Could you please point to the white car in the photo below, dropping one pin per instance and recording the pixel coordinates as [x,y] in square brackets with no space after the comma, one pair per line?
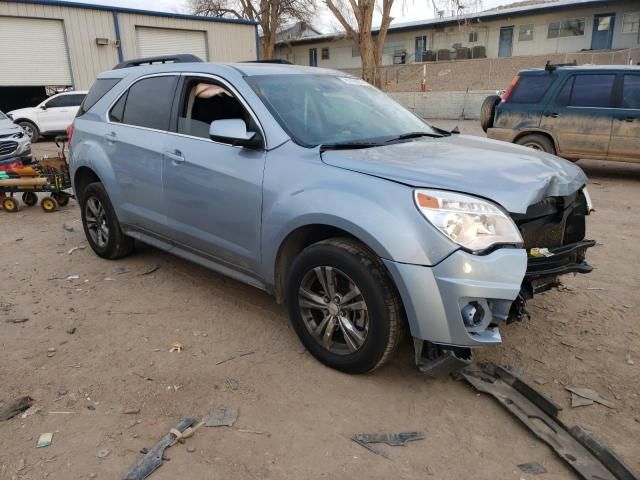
[52,116]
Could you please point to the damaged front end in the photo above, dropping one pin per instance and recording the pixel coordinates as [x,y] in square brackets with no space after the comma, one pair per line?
[553,231]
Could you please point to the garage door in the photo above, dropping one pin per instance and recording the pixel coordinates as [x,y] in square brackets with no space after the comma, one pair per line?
[152,42]
[33,52]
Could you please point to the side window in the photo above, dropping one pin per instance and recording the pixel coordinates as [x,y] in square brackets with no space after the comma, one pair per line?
[531,88]
[147,103]
[66,101]
[592,91]
[205,101]
[100,88]
[562,99]
[75,100]
[631,91]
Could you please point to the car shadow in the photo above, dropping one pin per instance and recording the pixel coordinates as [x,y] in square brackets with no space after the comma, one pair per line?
[613,170]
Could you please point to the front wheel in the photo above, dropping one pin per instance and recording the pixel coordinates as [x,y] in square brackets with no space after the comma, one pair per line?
[31,130]
[343,305]
[100,223]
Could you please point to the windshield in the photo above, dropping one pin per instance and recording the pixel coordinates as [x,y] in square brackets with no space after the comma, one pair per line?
[2,116]
[327,109]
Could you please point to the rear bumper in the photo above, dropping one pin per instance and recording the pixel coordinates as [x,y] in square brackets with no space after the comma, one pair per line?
[434,297]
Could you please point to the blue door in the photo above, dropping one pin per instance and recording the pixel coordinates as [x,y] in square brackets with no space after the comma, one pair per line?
[421,47]
[313,57]
[506,42]
[602,36]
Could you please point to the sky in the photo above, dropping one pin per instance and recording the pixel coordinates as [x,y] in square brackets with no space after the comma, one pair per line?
[406,11]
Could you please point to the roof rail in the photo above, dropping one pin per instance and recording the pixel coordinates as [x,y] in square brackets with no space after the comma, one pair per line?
[279,61]
[180,58]
[550,67]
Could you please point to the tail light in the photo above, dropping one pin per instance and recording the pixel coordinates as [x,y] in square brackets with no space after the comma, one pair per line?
[507,94]
[69,133]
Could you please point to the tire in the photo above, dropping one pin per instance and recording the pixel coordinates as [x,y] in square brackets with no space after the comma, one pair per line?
[62,199]
[10,204]
[537,141]
[31,130]
[49,204]
[378,328]
[100,223]
[30,199]
[488,111]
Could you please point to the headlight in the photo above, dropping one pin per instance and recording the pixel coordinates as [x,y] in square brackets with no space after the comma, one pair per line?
[471,222]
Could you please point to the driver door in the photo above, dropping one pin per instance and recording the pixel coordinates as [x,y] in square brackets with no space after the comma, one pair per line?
[212,190]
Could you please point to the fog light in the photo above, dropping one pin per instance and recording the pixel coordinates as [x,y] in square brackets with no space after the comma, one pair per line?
[472,314]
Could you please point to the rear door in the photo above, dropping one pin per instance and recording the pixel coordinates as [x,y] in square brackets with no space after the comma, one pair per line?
[134,137]
[625,134]
[581,115]
[523,108]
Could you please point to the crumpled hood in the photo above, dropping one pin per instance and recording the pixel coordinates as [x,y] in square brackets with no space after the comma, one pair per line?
[510,175]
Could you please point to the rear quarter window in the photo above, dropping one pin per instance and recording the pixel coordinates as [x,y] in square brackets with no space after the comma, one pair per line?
[531,88]
[100,88]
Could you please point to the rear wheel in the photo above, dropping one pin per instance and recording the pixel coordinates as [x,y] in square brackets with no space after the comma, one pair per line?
[101,225]
[30,199]
[31,130]
[49,204]
[61,198]
[343,305]
[488,111]
[537,142]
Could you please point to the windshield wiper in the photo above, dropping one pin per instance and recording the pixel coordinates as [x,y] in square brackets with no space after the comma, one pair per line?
[407,136]
[348,145]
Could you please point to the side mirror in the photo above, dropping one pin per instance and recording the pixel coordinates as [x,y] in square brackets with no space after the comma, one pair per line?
[43,107]
[234,131]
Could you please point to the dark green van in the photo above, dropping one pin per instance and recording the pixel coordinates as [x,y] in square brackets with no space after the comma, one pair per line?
[573,112]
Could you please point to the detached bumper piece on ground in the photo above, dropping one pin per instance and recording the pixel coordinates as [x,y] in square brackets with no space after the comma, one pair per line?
[585,454]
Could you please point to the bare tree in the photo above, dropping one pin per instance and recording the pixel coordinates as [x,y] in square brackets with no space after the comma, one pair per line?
[456,8]
[356,17]
[270,14]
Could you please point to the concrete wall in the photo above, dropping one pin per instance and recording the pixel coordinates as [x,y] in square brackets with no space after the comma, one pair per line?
[226,41]
[450,105]
[488,36]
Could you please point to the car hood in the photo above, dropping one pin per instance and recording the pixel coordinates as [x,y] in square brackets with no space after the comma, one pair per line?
[7,127]
[510,175]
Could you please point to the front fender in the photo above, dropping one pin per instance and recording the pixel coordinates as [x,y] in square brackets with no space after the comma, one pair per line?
[300,190]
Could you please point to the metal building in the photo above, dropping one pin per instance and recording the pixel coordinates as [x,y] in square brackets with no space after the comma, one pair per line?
[52,44]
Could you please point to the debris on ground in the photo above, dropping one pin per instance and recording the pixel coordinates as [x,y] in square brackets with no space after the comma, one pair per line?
[103,453]
[222,417]
[582,451]
[45,440]
[131,411]
[154,457]
[148,270]
[578,401]
[533,468]
[20,405]
[30,411]
[629,360]
[392,439]
[70,252]
[71,330]
[68,226]
[233,384]
[120,270]
[176,347]
[17,320]
[244,354]
[590,395]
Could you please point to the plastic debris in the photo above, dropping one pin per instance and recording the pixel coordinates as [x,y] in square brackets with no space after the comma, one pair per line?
[176,347]
[17,320]
[44,440]
[393,439]
[591,395]
[103,453]
[74,249]
[148,270]
[533,468]
[222,417]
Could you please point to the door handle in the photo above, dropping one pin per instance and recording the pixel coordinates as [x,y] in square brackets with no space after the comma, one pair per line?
[552,115]
[175,157]
[111,138]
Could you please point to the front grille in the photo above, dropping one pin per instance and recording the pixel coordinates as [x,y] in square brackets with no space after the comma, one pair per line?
[8,147]
[553,222]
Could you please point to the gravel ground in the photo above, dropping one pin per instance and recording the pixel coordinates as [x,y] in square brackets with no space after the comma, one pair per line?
[296,417]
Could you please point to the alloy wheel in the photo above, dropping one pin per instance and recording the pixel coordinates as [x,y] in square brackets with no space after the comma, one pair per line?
[333,310]
[96,220]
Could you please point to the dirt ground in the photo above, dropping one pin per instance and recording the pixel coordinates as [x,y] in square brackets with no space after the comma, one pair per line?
[296,416]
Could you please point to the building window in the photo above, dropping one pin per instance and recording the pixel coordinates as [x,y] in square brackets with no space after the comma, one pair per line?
[525,33]
[324,54]
[473,37]
[631,22]
[566,28]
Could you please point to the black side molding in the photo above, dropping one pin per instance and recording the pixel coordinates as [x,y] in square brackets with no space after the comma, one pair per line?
[180,58]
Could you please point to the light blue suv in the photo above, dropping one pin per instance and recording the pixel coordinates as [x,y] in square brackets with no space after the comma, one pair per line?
[318,188]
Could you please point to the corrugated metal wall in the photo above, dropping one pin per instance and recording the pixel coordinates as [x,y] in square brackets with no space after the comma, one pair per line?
[226,42]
